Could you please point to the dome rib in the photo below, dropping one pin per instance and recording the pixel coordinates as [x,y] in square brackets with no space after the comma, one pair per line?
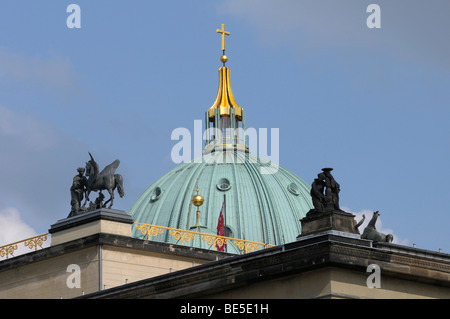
[259,189]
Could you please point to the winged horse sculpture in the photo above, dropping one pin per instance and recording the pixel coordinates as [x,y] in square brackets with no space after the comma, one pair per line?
[104,180]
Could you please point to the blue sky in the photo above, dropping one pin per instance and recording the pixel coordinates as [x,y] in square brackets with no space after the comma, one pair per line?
[371,103]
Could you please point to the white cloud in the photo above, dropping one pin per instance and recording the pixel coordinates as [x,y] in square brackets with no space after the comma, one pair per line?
[12,227]
[55,72]
[378,224]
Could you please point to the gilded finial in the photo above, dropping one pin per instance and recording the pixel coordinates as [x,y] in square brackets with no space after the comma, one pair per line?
[222,31]
[197,200]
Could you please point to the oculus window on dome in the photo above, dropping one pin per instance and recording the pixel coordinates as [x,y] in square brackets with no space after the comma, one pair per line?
[223,184]
[156,194]
[293,189]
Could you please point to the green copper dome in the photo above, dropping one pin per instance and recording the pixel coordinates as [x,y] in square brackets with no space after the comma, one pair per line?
[259,207]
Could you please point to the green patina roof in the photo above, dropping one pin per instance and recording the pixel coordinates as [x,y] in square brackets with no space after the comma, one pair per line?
[259,207]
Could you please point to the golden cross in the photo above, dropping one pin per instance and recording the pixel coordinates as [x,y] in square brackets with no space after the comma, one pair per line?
[223,32]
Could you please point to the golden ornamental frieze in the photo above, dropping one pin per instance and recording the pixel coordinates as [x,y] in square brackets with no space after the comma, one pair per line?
[213,241]
[33,243]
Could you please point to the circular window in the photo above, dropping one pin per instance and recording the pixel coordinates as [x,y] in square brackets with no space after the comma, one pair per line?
[223,184]
[293,189]
[156,194]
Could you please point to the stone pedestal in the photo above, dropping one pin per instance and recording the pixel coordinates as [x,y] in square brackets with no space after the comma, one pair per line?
[104,220]
[318,222]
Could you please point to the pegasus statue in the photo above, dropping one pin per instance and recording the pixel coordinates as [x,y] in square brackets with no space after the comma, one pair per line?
[104,180]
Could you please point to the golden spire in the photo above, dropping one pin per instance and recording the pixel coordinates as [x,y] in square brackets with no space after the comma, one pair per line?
[223,58]
[225,115]
[225,98]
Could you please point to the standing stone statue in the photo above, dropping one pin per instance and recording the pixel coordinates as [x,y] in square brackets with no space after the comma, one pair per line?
[325,192]
[77,192]
[317,189]
[326,214]
[332,189]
